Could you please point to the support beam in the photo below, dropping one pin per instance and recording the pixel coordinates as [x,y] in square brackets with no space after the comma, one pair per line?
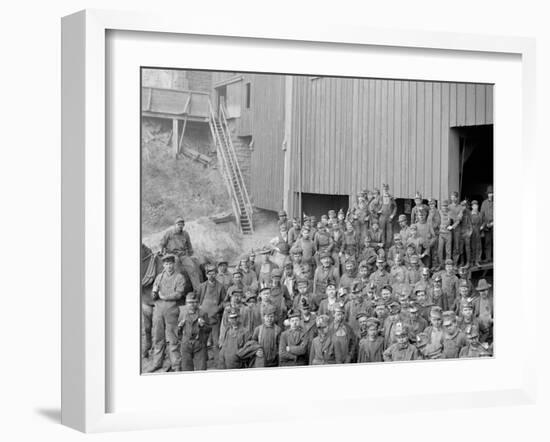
[175,137]
[287,146]
[180,148]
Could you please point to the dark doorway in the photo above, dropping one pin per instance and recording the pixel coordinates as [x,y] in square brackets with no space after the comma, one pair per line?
[221,93]
[475,160]
[319,204]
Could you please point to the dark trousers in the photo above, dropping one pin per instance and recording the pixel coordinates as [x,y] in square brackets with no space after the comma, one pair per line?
[165,329]
[476,245]
[444,245]
[457,244]
[147,327]
[193,355]
[488,249]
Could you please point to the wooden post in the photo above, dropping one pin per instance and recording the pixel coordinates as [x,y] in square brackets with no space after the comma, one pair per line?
[180,148]
[287,147]
[175,137]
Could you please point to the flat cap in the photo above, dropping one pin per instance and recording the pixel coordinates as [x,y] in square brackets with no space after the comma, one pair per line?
[292,313]
[179,219]
[402,217]
[269,309]
[169,258]
[191,297]
[276,273]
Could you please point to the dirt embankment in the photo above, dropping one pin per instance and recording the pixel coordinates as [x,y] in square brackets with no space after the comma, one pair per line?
[180,187]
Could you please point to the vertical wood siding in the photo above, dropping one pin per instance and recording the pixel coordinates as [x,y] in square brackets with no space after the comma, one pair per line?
[267,130]
[360,133]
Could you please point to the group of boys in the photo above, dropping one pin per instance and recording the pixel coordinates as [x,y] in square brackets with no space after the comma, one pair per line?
[337,297]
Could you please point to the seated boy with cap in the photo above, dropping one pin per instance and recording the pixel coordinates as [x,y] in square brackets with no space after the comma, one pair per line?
[371,346]
[402,350]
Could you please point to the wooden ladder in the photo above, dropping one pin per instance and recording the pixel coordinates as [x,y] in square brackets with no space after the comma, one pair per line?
[231,171]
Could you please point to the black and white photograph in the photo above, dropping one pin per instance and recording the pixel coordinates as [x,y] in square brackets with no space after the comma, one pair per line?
[295,220]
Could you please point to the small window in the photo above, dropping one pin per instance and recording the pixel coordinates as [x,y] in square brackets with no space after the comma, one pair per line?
[248,95]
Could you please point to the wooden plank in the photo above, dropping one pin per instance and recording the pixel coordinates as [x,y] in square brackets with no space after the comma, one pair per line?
[470,104]
[390,168]
[378,132]
[175,137]
[383,160]
[420,137]
[436,141]
[489,103]
[480,103]
[364,134]
[354,180]
[428,168]
[445,128]
[372,139]
[452,104]
[413,112]
[398,164]
[460,104]
[405,138]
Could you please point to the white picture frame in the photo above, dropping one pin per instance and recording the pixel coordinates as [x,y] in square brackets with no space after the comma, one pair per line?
[86,205]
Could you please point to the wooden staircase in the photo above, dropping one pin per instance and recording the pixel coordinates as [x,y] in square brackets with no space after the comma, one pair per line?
[231,172]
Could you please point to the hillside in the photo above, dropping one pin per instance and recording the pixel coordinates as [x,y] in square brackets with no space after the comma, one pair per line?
[173,187]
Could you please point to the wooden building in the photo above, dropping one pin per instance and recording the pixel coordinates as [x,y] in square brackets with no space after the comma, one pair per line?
[311,143]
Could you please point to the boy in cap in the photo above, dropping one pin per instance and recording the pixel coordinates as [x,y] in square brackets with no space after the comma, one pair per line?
[380,277]
[328,304]
[371,346]
[236,284]
[306,245]
[322,348]
[428,352]
[427,236]
[349,274]
[484,311]
[381,311]
[323,274]
[467,321]
[368,255]
[211,297]
[356,305]
[323,243]
[253,310]
[418,206]
[289,279]
[350,241]
[177,241]
[404,231]
[293,344]
[308,323]
[413,271]
[444,241]
[402,350]
[415,321]
[453,338]
[267,336]
[232,339]
[388,210]
[398,271]
[283,220]
[249,277]
[223,276]
[303,292]
[487,224]
[474,349]
[375,237]
[194,327]
[397,248]
[294,232]
[391,323]
[424,304]
[466,232]
[279,296]
[477,221]
[434,220]
[167,293]
[343,337]
[463,298]
[449,284]
[434,332]
[235,304]
[456,212]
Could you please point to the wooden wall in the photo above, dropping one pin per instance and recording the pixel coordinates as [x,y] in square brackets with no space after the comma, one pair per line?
[360,133]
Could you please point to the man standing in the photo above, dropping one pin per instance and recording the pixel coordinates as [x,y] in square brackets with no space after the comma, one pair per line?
[343,338]
[466,231]
[323,274]
[387,212]
[418,205]
[380,277]
[194,326]
[293,344]
[305,244]
[453,338]
[456,213]
[371,346]
[487,226]
[444,244]
[484,304]
[267,336]
[322,348]
[224,277]
[211,296]
[167,291]
[233,339]
[177,242]
[404,231]
[476,233]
